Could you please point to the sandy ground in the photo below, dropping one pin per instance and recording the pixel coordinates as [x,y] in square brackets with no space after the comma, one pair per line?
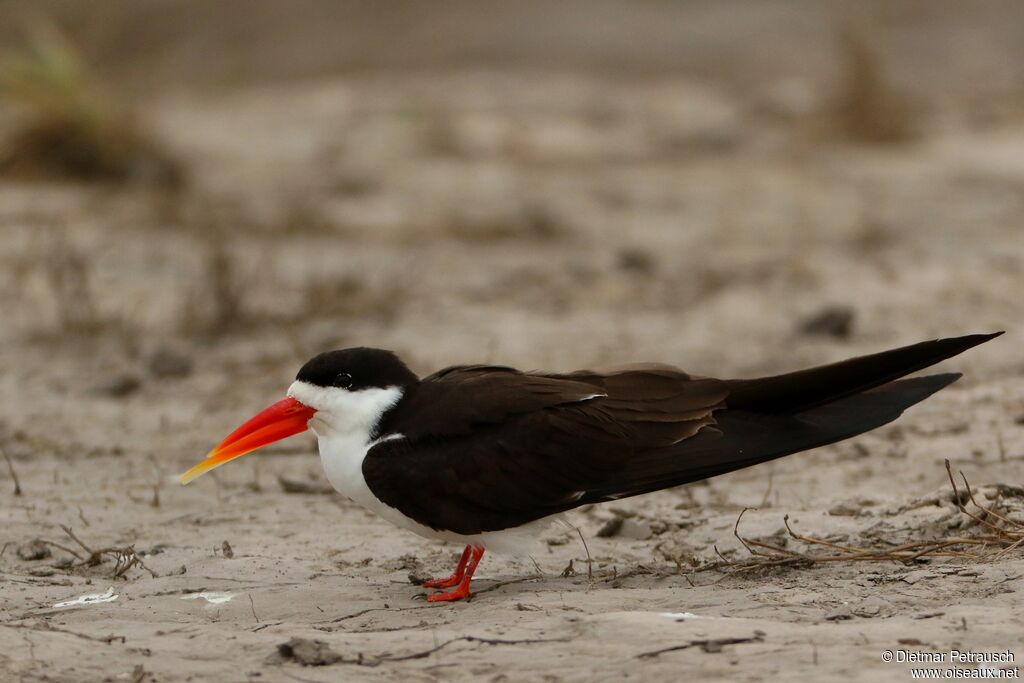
[549,221]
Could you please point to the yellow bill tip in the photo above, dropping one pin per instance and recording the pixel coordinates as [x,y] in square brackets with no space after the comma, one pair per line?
[200,469]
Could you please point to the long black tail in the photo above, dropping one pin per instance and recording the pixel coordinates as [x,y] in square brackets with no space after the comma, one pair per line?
[775,416]
[798,391]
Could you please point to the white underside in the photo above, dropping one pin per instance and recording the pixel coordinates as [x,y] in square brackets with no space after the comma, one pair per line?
[343,424]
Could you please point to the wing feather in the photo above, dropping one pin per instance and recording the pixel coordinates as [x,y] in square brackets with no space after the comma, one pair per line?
[489,447]
[542,441]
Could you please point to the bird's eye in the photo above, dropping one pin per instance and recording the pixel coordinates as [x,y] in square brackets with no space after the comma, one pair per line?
[343,380]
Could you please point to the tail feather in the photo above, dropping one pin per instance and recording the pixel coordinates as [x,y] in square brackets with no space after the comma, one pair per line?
[744,438]
[770,417]
[806,389]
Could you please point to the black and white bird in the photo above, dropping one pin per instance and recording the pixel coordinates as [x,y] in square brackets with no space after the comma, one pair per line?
[487,456]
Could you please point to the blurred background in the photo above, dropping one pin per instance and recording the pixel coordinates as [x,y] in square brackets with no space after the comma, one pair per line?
[195,197]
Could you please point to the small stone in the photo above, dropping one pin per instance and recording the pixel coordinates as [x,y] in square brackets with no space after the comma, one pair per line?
[635,260]
[625,527]
[874,606]
[152,550]
[34,550]
[306,652]
[867,611]
[918,575]
[845,509]
[830,321]
[637,530]
[841,613]
[910,641]
[418,578]
[118,386]
[316,486]
[166,363]
[993,574]
[407,562]
[610,528]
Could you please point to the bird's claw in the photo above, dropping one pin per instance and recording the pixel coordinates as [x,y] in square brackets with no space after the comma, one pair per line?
[460,593]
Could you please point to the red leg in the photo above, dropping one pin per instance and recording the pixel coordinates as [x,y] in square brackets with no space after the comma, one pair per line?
[462,590]
[456,576]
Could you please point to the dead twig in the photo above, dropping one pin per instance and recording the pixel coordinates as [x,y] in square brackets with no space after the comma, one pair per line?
[736,533]
[319,653]
[47,626]
[125,557]
[14,475]
[705,644]
[361,612]
[63,547]
[768,491]
[252,606]
[590,562]
[988,511]
[995,530]
[501,584]
[423,654]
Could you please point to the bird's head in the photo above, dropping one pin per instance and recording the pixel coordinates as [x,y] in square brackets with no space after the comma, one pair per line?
[347,390]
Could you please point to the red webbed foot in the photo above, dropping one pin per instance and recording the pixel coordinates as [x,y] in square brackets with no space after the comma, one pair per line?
[460,579]
[456,578]
[460,593]
[448,582]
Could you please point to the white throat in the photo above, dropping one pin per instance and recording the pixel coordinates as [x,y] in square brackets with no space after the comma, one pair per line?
[344,424]
[351,415]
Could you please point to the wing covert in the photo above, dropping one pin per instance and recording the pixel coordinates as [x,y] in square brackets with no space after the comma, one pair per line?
[515,447]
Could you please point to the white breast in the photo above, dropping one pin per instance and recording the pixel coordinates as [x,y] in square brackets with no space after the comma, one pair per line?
[343,425]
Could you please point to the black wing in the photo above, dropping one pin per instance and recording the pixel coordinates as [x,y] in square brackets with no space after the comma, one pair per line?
[487,448]
[505,448]
[462,399]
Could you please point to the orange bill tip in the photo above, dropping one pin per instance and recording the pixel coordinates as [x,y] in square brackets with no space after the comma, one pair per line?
[276,422]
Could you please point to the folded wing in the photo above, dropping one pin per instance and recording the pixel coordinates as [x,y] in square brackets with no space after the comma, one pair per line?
[502,448]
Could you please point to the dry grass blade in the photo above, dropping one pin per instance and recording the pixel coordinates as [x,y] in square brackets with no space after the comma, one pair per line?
[706,644]
[1003,533]
[989,512]
[422,654]
[590,562]
[14,475]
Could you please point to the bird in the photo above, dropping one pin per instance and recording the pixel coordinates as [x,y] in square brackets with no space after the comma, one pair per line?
[488,456]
